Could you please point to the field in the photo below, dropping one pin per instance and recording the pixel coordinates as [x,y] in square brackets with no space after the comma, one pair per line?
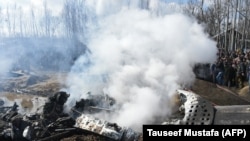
[30,91]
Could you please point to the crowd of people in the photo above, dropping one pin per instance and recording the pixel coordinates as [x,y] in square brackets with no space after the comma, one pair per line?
[232,69]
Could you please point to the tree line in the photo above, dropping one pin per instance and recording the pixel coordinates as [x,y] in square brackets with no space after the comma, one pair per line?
[14,22]
[226,21]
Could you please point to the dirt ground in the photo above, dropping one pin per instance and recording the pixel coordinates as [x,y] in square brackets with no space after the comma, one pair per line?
[42,84]
[82,138]
[28,87]
[221,95]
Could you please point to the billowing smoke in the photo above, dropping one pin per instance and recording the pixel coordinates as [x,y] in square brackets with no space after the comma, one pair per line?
[140,59]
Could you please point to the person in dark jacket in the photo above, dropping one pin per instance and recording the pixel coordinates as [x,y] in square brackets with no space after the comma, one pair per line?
[241,73]
[248,75]
[230,74]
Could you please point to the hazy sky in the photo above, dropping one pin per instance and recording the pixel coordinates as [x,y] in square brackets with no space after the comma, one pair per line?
[54,5]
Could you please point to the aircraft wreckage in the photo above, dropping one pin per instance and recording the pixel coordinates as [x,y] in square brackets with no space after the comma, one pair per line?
[196,110]
[51,123]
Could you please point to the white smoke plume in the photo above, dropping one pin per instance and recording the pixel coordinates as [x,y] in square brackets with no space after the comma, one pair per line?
[140,59]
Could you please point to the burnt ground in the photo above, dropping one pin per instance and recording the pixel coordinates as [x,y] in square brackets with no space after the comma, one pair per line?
[26,87]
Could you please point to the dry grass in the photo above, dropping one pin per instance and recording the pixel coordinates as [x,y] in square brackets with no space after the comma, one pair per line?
[25,99]
[12,96]
[244,92]
[26,103]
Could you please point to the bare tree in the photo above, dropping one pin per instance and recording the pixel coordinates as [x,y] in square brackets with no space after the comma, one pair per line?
[219,16]
[8,21]
[75,17]
[21,21]
[244,22]
[47,19]
[1,21]
[232,43]
[14,10]
[34,29]
[226,23]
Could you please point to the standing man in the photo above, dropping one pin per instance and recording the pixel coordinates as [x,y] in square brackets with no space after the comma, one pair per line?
[248,75]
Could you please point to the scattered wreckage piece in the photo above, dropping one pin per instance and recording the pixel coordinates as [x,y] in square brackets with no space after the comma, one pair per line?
[97,103]
[54,107]
[37,126]
[92,104]
[195,110]
[71,132]
[9,112]
[107,129]
[1,102]
[232,115]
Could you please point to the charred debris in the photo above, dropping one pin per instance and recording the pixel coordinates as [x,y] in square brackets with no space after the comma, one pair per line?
[51,123]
